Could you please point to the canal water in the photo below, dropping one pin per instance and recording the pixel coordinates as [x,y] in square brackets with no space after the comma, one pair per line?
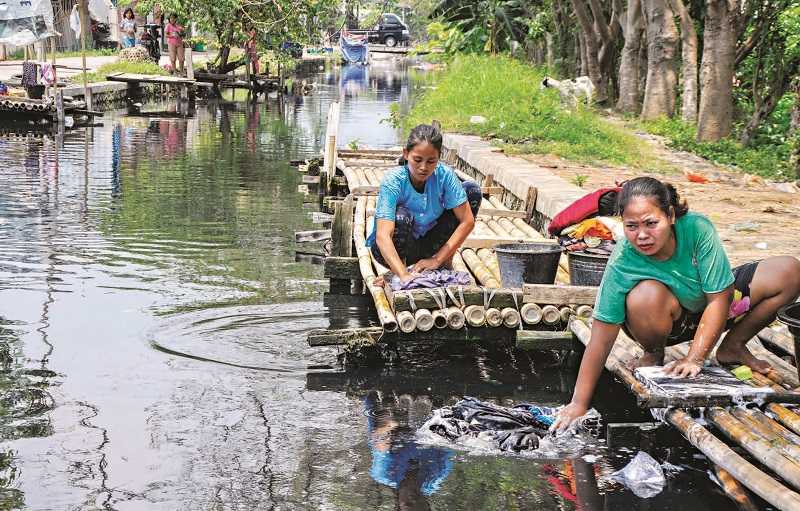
[152,333]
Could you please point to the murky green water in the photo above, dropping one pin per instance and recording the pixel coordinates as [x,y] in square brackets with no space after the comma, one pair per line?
[152,333]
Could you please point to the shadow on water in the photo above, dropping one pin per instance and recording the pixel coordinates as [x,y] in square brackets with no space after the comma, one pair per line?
[152,346]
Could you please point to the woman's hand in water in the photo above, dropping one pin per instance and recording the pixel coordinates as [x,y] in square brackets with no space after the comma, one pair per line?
[426,264]
[567,416]
[684,368]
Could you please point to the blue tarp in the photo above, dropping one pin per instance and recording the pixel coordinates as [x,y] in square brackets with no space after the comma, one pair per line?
[354,51]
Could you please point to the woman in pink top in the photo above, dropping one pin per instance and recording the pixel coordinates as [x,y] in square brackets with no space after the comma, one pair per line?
[174,33]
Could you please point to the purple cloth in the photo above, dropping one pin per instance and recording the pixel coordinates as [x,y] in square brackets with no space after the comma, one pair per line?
[432,278]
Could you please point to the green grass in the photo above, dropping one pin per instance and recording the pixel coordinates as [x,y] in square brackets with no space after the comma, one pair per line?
[20,54]
[145,68]
[766,160]
[506,92]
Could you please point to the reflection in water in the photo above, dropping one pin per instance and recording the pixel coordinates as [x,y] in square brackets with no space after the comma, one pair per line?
[153,320]
[398,462]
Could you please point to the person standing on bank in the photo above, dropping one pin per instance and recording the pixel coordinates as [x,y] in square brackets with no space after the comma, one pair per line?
[175,33]
[670,281]
[128,28]
[424,212]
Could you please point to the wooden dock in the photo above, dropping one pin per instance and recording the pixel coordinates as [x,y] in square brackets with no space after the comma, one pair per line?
[765,434]
[533,316]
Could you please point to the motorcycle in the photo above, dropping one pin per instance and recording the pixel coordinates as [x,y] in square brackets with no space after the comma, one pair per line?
[101,35]
[151,40]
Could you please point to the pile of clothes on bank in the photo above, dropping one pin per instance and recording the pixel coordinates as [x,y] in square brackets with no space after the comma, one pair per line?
[590,224]
[484,426]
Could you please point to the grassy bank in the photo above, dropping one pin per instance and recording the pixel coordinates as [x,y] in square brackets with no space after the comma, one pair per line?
[99,75]
[506,92]
[770,161]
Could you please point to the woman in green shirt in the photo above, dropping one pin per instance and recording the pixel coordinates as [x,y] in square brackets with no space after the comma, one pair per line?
[670,281]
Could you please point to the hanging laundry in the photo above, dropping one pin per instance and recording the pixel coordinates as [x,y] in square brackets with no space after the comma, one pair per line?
[29,74]
[431,279]
[48,75]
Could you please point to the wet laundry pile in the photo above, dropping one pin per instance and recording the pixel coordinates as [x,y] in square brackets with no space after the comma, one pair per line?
[475,423]
[431,279]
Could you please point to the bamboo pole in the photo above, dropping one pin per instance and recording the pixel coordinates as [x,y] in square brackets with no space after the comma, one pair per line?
[439,318]
[616,361]
[479,269]
[482,230]
[584,311]
[459,265]
[473,295]
[385,315]
[733,489]
[778,339]
[497,228]
[511,317]
[551,315]
[531,314]
[494,318]
[527,229]
[424,320]
[406,322]
[761,449]
[777,435]
[475,315]
[760,483]
[489,258]
[512,229]
[83,12]
[565,313]
[455,318]
[785,416]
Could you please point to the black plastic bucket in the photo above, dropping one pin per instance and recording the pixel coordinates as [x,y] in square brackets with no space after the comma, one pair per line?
[527,263]
[789,315]
[586,269]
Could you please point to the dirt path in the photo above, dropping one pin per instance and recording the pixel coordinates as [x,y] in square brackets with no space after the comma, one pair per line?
[748,211]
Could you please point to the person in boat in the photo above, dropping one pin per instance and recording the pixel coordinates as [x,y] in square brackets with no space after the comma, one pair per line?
[424,212]
[670,281]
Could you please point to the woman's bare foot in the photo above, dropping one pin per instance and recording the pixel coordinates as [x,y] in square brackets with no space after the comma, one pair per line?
[650,358]
[729,353]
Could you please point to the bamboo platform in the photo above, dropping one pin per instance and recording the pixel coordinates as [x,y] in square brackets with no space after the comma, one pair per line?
[483,307]
[765,457]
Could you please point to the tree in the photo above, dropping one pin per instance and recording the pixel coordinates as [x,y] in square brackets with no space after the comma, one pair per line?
[720,31]
[630,69]
[662,43]
[689,62]
[599,39]
[486,25]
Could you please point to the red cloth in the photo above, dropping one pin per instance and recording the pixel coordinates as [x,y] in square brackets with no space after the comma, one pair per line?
[579,210]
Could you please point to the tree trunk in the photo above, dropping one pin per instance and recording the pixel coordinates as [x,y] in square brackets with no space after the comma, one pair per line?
[689,62]
[715,116]
[662,43]
[629,68]
[591,45]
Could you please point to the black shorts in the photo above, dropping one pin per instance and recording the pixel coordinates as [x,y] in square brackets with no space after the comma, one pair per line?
[685,327]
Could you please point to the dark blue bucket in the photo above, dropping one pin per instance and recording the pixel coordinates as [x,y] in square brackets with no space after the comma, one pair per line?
[527,263]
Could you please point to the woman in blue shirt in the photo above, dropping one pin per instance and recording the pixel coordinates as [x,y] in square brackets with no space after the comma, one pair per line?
[424,212]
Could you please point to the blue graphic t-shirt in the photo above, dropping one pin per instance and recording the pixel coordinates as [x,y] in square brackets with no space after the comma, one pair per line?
[443,190]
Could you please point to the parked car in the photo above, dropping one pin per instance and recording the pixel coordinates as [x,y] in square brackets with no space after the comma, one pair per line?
[390,31]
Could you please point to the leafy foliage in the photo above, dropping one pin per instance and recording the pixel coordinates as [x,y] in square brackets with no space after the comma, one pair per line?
[145,68]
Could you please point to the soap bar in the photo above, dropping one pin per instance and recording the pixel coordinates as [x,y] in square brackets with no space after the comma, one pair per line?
[743,373]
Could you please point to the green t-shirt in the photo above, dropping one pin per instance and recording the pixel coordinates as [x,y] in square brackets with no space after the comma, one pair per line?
[698,266]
